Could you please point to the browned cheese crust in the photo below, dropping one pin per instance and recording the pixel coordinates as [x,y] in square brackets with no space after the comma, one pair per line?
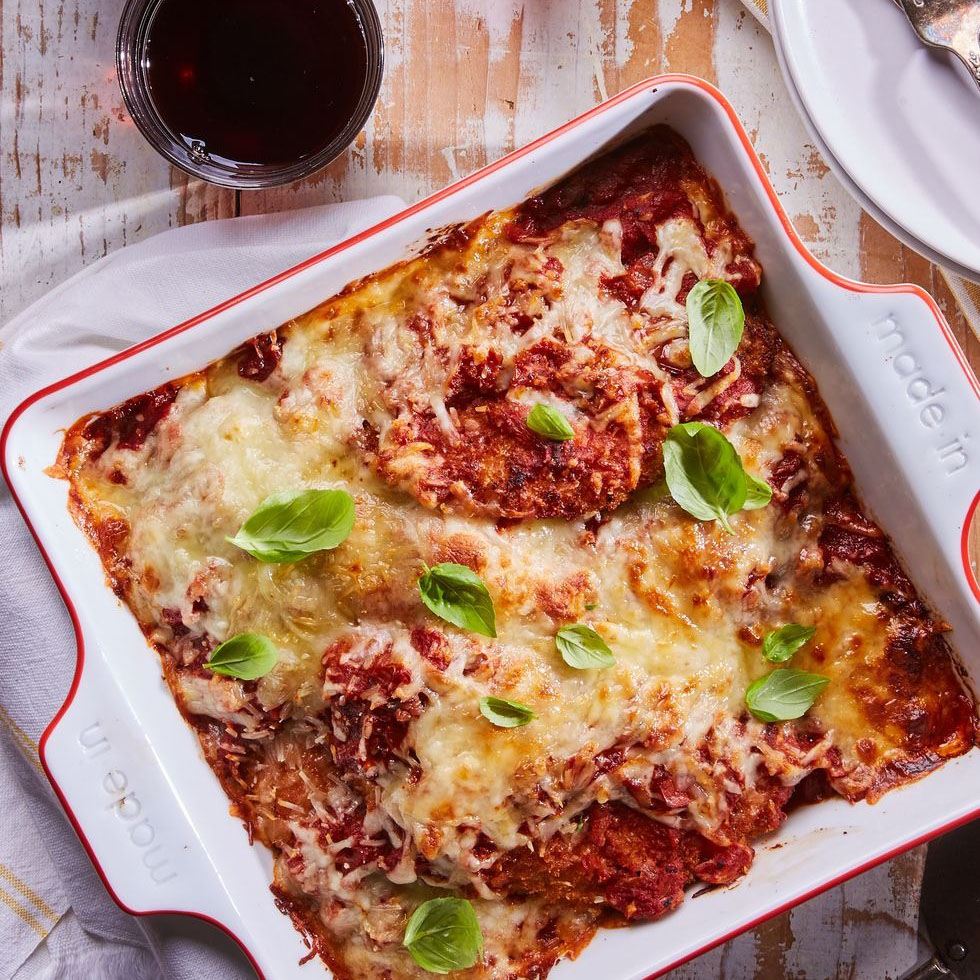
[361,760]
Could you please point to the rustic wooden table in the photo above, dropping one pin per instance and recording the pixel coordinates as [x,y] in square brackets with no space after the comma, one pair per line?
[465,82]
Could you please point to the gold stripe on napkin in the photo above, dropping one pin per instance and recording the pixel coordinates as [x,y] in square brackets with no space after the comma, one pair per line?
[7,876]
[21,738]
[23,913]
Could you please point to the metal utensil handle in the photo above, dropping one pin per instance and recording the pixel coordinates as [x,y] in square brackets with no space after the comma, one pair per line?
[949,24]
[934,969]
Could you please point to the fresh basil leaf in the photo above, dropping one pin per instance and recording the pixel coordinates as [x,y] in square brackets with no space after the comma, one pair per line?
[784,694]
[583,648]
[287,527]
[715,321]
[505,714]
[758,493]
[779,645]
[704,473]
[456,594]
[550,423]
[246,656]
[443,935]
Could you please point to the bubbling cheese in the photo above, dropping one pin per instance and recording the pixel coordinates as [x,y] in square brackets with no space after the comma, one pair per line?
[362,758]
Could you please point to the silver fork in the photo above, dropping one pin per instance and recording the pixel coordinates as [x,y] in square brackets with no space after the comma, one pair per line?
[950,24]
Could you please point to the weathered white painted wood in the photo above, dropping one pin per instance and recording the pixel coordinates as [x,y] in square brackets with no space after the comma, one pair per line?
[76,178]
[466,81]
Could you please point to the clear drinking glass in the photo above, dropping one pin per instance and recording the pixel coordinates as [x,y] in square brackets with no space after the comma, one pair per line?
[131,64]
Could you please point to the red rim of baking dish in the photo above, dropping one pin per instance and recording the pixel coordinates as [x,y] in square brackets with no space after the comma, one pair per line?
[850,284]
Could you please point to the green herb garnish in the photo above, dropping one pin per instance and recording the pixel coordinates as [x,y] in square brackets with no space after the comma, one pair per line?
[550,423]
[715,321]
[758,493]
[505,714]
[288,526]
[779,645]
[443,935]
[784,694]
[456,594]
[583,648]
[246,656]
[705,474]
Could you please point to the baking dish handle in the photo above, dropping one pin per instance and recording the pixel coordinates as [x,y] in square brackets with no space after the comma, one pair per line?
[936,423]
[141,839]
[926,400]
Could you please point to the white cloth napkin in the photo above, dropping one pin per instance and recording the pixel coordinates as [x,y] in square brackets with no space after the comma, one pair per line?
[56,919]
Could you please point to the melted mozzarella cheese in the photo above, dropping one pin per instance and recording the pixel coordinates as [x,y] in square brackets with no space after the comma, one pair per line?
[681,250]
[682,604]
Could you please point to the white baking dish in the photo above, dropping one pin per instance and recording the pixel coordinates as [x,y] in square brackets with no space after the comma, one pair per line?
[128,769]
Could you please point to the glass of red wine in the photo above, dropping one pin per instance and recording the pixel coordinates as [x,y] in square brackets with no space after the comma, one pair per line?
[248,93]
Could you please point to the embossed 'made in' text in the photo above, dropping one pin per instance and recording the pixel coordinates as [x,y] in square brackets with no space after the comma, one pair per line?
[927,398]
[126,805]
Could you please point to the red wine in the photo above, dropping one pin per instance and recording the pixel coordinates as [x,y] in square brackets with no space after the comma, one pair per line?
[256,81]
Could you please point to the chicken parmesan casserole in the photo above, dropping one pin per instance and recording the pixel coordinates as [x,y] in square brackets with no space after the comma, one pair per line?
[518,587]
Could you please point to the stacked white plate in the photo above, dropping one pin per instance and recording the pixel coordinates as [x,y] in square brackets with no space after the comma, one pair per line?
[898,122]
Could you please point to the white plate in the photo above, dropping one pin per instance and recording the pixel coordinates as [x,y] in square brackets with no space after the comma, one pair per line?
[900,119]
[844,177]
[129,770]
